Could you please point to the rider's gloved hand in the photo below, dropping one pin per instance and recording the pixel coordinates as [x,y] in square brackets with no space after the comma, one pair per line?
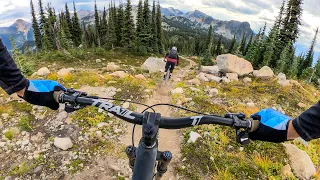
[273,126]
[40,92]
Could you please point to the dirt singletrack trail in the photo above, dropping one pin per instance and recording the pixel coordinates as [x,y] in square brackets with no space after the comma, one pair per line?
[169,140]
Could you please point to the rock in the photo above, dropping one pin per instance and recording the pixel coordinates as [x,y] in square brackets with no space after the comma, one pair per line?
[195,89]
[5,116]
[25,142]
[177,91]
[43,71]
[213,78]
[226,80]
[2,144]
[193,137]
[247,80]
[255,73]
[112,67]
[301,105]
[285,83]
[120,74]
[153,64]
[210,70]
[114,168]
[286,171]
[300,162]
[281,77]
[194,82]
[232,76]
[265,73]
[38,169]
[229,63]
[63,72]
[140,76]
[63,143]
[213,92]
[126,105]
[98,60]
[117,131]
[99,134]
[250,104]
[202,77]
[102,124]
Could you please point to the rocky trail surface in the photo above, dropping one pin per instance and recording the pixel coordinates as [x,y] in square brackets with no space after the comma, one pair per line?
[169,140]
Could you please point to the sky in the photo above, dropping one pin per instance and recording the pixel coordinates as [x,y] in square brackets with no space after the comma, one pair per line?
[256,12]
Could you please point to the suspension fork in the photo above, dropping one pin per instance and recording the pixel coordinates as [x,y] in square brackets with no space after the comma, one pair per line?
[163,159]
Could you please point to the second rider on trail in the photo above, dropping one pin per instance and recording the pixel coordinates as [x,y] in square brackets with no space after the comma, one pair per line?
[172,60]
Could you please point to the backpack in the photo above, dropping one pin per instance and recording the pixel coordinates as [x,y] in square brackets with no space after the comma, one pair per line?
[173,54]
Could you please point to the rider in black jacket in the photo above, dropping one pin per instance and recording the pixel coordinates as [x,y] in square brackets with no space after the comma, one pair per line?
[274,126]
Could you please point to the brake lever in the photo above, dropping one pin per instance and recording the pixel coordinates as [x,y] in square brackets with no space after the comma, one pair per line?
[71,107]
[242,136]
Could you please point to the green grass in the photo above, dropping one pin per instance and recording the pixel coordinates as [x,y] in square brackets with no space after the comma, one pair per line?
[25,123]
[10,134]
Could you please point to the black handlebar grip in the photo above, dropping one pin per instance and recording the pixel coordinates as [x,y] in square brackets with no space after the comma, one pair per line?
[56,96]
[254,125]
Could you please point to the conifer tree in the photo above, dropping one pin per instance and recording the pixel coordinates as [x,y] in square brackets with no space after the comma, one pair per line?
[77,31]
[104,27]
[242,46]
[139,18]
[317,69]
[68,29]
[146,31]
[35,26]
[159,29]
[218,49]
[309,58]
[210,36]
[284,58]
[293,68]
[207,59]
[97,23]
[51,30]
[129,27]
[42,18]
[111,36]
[120,24]
[232,45]
[248,45]
[154,29]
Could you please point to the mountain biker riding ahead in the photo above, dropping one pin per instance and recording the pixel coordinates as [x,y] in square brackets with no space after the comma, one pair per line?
[274,126]
[172,60]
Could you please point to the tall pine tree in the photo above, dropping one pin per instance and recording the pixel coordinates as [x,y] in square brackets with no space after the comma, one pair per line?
[35,26]
[232,45]
[248,45]
[159,29]
[309,58]
[68,28]
[76,31]
[146,31]
[242,46]
[219,48]
[154,29]
[97,23]
[120,24]
[112,37]
[104,27]
[129,27]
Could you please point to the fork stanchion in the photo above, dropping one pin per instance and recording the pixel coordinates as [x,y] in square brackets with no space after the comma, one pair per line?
[164,159]
[131,153]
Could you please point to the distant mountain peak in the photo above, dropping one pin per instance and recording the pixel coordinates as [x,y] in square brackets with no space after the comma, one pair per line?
[21,25]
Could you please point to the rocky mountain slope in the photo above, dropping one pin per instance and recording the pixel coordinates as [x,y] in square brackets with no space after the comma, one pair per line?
[21,31]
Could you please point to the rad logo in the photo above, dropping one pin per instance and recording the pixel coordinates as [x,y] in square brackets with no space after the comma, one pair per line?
[112,108]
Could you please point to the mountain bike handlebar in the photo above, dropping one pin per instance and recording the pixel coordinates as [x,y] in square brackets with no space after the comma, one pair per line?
[75,100]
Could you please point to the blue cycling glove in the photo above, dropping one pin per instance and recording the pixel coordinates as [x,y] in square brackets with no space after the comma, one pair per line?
[40,92]
[273,126]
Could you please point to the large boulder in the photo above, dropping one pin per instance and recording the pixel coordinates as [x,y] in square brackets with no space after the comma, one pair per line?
[282,77]
[194,82]
[229,63]
[300,162]
[265,73]
[43,71]
[153,64]
[210,69]
[112,67]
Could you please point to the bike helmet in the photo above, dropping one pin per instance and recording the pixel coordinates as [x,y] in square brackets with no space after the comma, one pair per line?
[174,48]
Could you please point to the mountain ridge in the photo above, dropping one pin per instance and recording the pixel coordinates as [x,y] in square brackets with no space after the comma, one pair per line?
[173,19]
